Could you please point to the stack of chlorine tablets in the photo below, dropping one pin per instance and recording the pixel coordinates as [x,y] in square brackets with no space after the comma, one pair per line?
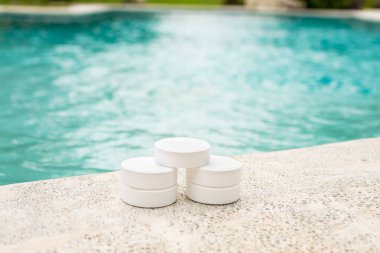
[152,181]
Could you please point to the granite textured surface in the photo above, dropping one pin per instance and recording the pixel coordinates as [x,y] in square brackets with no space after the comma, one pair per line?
[319,199]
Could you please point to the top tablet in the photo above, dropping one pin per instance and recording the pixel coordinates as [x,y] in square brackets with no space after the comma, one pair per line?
[182,152]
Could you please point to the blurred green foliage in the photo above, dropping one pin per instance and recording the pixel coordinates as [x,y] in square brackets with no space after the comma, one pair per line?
[371,4]
[342,4]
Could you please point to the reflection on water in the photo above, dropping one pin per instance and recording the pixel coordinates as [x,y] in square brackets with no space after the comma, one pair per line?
[80,94]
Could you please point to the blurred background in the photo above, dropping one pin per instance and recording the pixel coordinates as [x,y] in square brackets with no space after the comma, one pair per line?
[80,93]
[342,4]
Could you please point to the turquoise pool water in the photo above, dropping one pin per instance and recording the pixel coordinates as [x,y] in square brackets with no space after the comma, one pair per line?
[78,95]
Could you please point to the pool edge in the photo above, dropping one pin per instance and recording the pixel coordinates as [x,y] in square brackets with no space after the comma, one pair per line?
[372,15]
[333,186]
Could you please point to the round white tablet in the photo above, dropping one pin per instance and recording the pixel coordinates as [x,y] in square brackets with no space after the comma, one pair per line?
[148,198]
[182,152]
[212,196]
[143,173]
[222,171]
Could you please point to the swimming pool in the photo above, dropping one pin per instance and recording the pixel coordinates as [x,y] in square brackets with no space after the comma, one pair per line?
[80,94]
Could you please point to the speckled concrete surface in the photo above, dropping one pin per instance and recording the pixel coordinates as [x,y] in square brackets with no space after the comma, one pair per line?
[320,199]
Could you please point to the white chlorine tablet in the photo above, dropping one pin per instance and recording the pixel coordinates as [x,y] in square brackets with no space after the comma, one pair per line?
[143,173]
[212,196]
[182,152]
[148,198]
[222,171]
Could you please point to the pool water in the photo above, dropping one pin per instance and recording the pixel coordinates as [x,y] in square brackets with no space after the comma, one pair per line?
[80,94]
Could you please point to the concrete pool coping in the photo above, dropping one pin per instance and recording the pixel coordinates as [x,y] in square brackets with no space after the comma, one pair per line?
[87,9]
[317,199]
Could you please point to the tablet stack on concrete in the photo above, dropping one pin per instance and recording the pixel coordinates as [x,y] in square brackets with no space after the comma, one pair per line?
[215,183]
[148,184]
[152,182]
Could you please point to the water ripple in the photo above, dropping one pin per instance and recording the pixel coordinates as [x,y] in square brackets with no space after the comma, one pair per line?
[78,96]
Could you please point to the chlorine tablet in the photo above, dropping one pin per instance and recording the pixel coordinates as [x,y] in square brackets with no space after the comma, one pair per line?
[182,152]
[148,198]
[221,171]
[212,195]
[143,173]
